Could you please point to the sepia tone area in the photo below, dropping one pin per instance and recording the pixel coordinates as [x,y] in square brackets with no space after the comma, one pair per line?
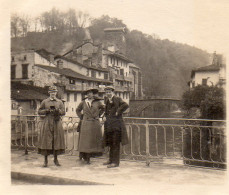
[173,94]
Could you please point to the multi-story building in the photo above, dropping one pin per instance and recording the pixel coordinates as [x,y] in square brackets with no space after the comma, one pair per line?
[211,75]
[87,65]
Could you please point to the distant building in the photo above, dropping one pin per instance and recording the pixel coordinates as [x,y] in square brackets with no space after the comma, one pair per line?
[211,75]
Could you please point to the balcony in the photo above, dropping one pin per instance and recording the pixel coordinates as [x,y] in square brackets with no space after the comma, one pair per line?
[74,87]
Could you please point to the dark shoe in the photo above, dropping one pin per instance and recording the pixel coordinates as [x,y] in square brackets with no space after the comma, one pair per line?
[107,163]
[56,163]
[45,164]
[112,165]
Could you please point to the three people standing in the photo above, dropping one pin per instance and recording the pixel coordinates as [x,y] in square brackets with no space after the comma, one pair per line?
[91,141]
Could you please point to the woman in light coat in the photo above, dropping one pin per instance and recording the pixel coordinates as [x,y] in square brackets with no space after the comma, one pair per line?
[90,140]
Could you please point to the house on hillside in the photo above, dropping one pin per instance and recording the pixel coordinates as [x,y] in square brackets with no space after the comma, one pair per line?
[85,66]
[108,60]
[211,75]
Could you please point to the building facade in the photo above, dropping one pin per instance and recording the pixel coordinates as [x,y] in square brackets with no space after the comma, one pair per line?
[85,66]
[211,75]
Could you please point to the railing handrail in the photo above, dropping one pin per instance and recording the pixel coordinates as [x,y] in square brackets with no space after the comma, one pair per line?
[140,118]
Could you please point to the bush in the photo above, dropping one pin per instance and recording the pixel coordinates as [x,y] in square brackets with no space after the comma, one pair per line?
[209,99]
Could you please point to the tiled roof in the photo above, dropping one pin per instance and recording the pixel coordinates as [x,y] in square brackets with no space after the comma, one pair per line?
[70,73]
[115,29]
[117,55]
[44,53]
[21,91]
[134,66]
[208,68]
[76,62]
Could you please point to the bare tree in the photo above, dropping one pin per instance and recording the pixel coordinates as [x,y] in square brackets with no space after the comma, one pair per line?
[71,19]
[83,19]
[15,29]
[24,23]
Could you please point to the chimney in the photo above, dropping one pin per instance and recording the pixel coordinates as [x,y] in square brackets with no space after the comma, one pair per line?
[60,64]
[87,37]
[115,37]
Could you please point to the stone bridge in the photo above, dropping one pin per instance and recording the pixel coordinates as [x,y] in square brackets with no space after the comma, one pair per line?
[156,108]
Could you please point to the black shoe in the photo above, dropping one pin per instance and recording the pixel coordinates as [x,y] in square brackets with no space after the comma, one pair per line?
[112,165]
[45,164]
[107,163]
[56,163]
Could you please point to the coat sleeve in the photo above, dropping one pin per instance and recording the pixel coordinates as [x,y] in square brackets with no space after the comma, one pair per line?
[62,109]
[79,110]
[42,110]
[101,109]
[122,106]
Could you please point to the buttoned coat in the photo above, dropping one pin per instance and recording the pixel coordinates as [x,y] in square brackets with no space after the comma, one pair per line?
[90,140]
[113,122]
[51,127]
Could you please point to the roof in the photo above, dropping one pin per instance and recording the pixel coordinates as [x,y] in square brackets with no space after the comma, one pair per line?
[115,29]
[134,66]
[21,91]
[119,56]
[44,53]
[78,63]
[70,73]
[209,68]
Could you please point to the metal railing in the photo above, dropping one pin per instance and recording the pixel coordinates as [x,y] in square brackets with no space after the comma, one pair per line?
[194,141]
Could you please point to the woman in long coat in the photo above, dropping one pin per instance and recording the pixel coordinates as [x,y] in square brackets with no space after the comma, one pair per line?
[90,140]
[51,139]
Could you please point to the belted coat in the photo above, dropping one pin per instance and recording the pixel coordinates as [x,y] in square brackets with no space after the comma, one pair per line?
[113,122]
[90,140]
[51,133]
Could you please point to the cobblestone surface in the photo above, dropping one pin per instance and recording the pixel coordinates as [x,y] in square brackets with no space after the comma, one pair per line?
[129,172]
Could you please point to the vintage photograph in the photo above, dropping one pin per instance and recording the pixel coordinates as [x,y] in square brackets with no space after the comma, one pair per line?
[113,93]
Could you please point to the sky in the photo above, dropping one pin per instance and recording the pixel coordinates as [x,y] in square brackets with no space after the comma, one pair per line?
[200,23]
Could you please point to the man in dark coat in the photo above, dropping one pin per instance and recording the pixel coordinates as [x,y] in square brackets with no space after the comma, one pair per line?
[114,127]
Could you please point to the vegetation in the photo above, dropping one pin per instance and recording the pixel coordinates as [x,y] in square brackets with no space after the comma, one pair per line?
[165,65]
[210,100]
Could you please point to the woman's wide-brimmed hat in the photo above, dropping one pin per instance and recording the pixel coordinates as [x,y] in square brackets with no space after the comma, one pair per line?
[93,90]
[53,89]
[109,88]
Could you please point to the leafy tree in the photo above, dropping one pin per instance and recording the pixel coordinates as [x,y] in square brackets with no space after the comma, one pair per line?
[209,99]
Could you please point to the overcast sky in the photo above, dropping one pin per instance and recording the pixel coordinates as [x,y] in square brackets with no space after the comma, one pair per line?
[200,23]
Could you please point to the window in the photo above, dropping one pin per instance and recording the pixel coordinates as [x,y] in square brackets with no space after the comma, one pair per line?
[13,71]
[66,109]
[117,62]
[93,74]
[105,75]
[99,73]
[72,81]
[111,60]
[75,97]
[68,97]
[12,58]
[193,84]
[204,81]
[121,71]
[25,71]
[126,74]
[25,57]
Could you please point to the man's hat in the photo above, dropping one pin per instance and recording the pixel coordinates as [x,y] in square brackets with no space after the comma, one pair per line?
[53,88]
[93,90]
[109,88]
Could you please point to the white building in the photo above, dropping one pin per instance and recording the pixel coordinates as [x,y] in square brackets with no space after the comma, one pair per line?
[211,75]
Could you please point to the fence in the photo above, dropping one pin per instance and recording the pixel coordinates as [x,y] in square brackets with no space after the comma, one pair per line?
[194,141]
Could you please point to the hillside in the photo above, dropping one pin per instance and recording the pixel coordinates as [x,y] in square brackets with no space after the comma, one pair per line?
[166,65]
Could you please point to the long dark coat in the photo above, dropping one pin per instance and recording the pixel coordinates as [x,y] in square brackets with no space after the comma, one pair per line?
[52,133]
[113,122]
[90,140]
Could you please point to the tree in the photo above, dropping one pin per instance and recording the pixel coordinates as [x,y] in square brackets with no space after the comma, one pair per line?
[209,99]
[24,23]
[83,19]
[15,29]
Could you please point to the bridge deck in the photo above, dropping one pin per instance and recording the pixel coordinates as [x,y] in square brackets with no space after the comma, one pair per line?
[129,172]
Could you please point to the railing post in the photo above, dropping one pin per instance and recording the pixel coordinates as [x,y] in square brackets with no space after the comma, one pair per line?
[147,143]
[26,135]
